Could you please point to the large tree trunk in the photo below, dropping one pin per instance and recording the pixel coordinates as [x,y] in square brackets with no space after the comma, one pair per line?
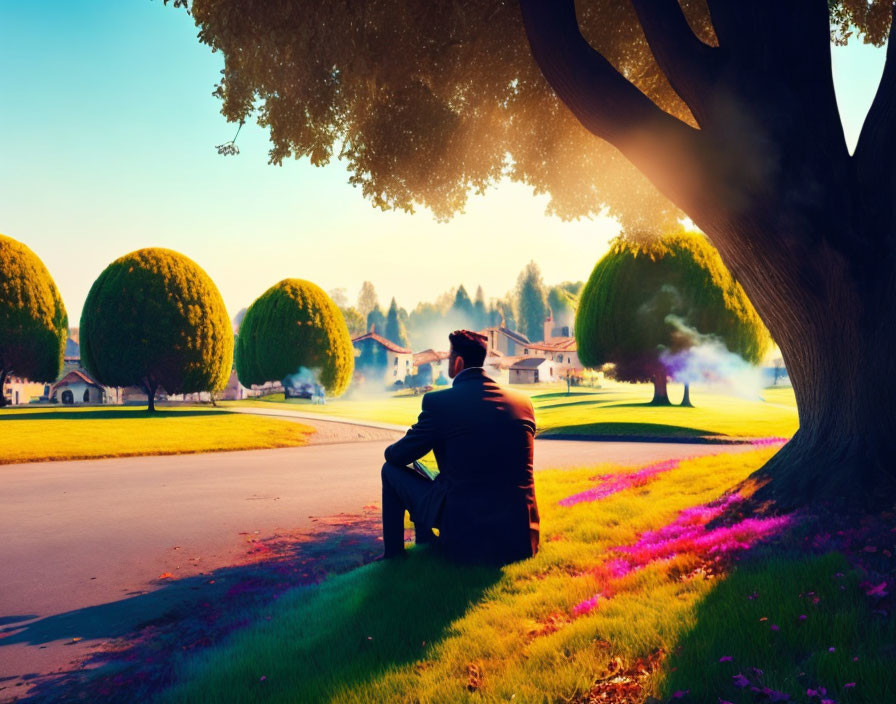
[660,391]
[833,319]
[763,169]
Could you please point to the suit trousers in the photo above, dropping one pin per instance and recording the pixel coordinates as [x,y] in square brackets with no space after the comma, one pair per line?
[404,490]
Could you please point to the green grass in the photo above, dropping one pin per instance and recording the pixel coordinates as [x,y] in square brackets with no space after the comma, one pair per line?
[40,434]
[617,410]
[421,630]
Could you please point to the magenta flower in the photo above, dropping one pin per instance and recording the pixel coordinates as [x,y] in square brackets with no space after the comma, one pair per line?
[614,483]
[740,681]
[877,590]
[726,658]
[586,606]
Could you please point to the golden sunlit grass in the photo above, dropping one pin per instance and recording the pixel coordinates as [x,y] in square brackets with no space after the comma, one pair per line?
[421,630]
[39,434]
[615,410]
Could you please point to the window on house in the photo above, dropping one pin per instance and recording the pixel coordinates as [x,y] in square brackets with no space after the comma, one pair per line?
[86,395]
[559,357]
[396,361]
[395,373]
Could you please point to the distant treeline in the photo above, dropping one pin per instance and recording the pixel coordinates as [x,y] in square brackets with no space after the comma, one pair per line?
[524,309]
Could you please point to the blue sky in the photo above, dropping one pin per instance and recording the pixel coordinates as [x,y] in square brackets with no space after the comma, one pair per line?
[107,134]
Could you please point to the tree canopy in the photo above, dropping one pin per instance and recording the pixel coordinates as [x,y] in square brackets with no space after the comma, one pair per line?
[154,318]
[531,302]
[295,324]
[426,102]
[668,295]
[357,323]
[376,320]
[367,299]
[395,330]
[33,321]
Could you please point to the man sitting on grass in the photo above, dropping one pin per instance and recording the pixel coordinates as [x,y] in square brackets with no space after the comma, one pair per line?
[483,500]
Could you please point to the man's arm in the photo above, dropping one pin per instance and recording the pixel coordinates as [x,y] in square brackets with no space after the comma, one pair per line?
[419,439]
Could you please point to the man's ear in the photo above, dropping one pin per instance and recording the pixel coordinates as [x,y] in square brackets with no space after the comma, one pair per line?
[458,365]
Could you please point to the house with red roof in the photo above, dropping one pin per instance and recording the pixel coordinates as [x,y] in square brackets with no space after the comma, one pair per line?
[431,364]
[378,360]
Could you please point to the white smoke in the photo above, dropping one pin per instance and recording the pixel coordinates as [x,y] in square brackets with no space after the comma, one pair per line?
[708,362]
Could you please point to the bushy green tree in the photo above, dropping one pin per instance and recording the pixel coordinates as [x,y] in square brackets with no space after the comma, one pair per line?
[291,325]
[462,307]
[395,330]
[531,302]
[33,322]
[376,321]
[155,319]
[357,323]
[643,299]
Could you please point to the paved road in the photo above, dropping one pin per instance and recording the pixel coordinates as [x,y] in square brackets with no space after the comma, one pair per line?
[78,534]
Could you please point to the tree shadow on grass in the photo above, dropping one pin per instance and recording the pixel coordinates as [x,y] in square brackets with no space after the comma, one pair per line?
[146,636]
[592,402]
[563,394]
[627,431]
[787,623]
[342,637]
[120,414]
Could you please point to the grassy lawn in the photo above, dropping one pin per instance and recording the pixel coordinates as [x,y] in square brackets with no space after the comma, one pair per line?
[617,409]
[38,434]
[635,593]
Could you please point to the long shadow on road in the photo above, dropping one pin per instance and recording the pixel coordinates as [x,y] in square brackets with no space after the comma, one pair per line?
[145,635]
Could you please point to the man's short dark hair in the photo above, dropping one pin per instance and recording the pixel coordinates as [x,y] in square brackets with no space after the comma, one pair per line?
[469,346]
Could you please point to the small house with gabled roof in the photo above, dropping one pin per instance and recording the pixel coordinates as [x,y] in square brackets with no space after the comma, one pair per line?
[380,360]
[532,371]
[78,387]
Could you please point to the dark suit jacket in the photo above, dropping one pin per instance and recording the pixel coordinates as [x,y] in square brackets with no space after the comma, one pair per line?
[483,500]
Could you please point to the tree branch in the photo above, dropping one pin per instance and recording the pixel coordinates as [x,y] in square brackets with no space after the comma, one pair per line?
[876,149]
[685,60]
[669,152]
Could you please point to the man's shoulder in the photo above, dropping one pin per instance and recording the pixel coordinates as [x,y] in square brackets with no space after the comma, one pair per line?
[434,398]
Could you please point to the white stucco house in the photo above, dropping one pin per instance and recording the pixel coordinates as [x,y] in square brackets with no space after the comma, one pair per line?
[20,391]
[380,360]
[533,370]
[78,387]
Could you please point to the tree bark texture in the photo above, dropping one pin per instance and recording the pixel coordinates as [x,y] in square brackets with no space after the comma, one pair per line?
[808,229]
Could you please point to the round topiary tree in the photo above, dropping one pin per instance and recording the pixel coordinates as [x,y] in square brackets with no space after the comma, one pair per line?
[33,322]
[644,301]
[155,319]
[291,325]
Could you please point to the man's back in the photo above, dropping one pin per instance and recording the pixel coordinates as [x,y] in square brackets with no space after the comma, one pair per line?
[484,499]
